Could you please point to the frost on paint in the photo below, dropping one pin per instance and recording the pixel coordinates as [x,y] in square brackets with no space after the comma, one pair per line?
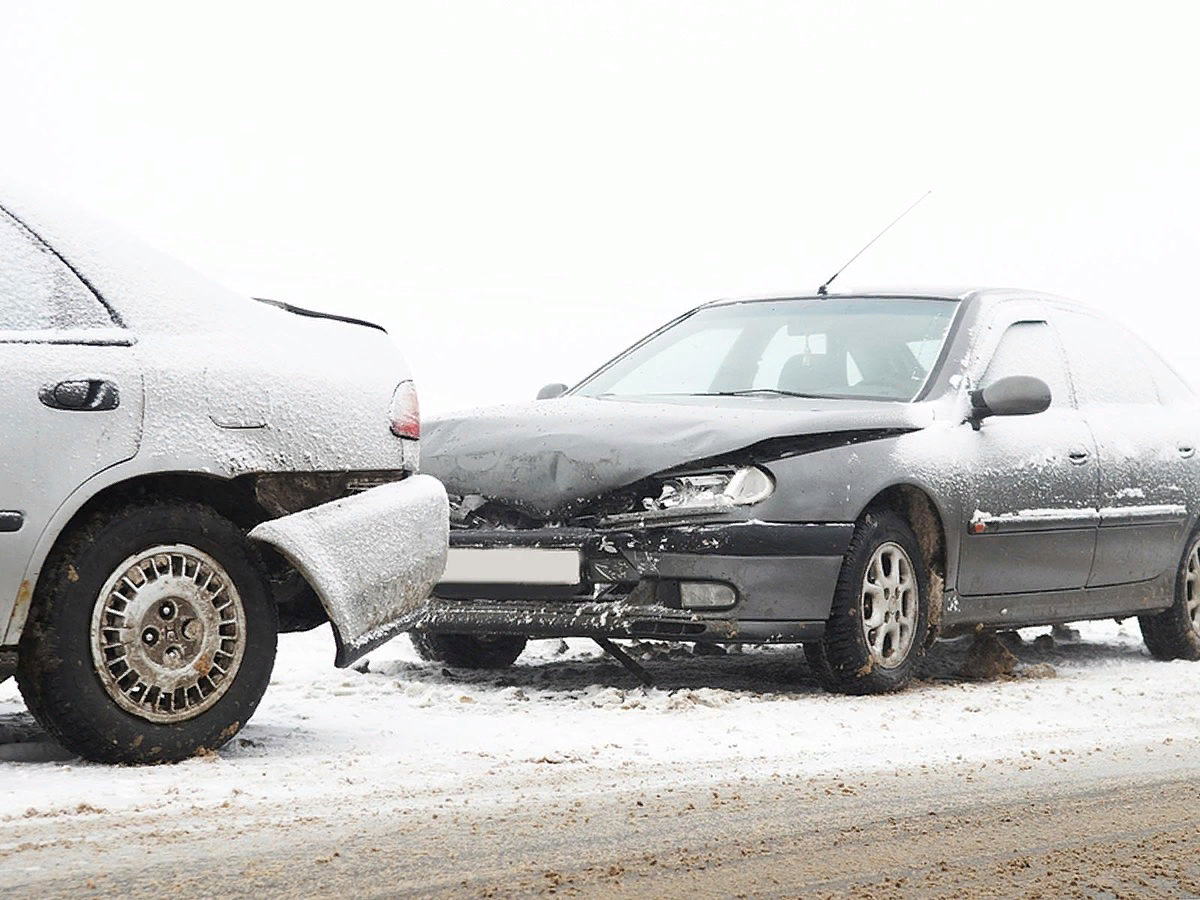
[372,558]
[38,292]
[152,290]
[543,455]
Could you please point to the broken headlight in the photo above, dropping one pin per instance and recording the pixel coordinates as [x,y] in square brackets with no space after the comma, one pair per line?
[712,490]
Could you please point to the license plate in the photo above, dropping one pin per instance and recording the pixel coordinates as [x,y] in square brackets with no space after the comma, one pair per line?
[511,565]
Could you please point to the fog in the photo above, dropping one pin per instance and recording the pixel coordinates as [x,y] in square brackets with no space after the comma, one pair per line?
[519,190]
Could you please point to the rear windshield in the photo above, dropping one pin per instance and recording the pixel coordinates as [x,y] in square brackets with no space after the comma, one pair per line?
[873,348]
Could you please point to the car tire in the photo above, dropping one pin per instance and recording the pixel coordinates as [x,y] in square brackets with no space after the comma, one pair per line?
[468,651]
[152,635]
[1174,633]
[880,613]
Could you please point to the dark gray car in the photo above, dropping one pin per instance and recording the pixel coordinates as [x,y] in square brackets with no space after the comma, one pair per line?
[857,473]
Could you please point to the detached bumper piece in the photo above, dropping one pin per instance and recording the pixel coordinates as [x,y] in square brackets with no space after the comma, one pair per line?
[731,581]
[372,559]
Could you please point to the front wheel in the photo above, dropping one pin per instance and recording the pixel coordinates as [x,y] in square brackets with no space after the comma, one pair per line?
[1174,633]
[880,613]
[152,636]
[468,651]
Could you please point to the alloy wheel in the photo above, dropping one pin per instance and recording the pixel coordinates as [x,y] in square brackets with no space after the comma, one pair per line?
[1191,583]
[889,605]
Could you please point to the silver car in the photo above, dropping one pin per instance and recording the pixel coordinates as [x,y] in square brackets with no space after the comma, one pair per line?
[184,473]
[858,473]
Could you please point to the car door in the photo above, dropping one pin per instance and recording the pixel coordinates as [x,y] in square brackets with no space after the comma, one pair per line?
[1147,447]
[71,393]
[1030,481]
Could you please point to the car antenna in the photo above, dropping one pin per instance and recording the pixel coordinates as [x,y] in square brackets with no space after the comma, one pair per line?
[824,289]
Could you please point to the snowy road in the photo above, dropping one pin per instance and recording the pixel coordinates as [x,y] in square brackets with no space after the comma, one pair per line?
[734,775]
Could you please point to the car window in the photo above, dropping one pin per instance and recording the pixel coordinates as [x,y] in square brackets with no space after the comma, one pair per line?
[873,347]
[813,350]
[685,366]
[1172,390]
[925,352]
[1030,348]
[38,291]
[1108,363]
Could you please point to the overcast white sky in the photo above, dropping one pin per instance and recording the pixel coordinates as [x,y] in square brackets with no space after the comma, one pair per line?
[519,190]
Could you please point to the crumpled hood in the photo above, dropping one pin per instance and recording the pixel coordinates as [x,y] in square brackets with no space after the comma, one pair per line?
[548,454]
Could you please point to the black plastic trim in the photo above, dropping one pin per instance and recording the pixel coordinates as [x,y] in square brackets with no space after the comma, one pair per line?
[77,339]
[314,314]
[752,538]
[1077,519]
[521,537]
[11,520]
[533,619]
[1165,514]
[741,539]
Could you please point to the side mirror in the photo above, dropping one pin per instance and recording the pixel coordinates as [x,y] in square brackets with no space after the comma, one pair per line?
[1016,395]
[550,391]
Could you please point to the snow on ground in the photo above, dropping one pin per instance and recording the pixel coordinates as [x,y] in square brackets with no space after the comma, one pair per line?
[568,720]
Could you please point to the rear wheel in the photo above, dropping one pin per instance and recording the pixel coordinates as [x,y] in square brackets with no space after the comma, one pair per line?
[468,651]
[1174,633]
[880,614]
[152,636]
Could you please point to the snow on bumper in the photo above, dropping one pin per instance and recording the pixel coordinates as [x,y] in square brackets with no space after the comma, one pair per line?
[372,558]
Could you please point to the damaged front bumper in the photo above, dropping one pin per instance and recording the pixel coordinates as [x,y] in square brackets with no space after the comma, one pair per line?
[372,558]
[734,581]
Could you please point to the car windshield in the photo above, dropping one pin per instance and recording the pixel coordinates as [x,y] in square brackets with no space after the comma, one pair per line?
[864,347]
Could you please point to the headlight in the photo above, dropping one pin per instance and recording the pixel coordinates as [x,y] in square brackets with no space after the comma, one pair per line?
[712,490]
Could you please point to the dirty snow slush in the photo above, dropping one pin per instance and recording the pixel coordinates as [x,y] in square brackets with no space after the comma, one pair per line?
[384,751]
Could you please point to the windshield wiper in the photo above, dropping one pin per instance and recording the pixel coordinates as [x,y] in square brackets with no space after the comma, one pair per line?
[765,392]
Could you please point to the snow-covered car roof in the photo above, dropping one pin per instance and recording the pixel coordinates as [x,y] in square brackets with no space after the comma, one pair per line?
[145,287]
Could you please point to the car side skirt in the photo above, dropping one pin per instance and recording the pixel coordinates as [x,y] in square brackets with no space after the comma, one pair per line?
[1047,607]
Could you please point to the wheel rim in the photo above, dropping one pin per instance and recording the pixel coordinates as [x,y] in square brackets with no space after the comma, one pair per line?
[889,605]
[168,633]
[1191,580]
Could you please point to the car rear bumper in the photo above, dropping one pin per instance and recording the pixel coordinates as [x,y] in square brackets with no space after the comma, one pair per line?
[774,581]
[372,558]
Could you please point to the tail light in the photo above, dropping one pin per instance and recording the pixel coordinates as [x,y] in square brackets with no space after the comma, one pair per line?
[406,412]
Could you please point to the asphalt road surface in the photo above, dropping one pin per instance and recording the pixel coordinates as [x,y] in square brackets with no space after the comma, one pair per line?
[1104,824]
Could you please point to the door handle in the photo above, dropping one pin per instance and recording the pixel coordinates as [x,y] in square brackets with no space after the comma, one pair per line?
[1187,451]
[1078,456]
[82,395]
